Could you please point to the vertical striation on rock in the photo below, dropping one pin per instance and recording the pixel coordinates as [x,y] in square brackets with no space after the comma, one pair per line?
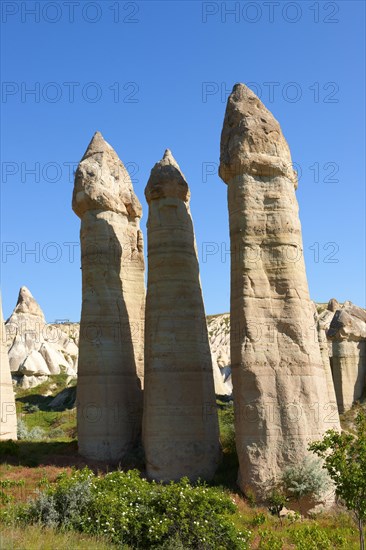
[8,418]
[280,390]
[110,367]
[347,333]
[180,426]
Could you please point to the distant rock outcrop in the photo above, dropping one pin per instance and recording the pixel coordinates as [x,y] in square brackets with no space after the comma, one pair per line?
[219,337]
[8,418]
[347,334]
[180,424]
[36,349]
[110,367]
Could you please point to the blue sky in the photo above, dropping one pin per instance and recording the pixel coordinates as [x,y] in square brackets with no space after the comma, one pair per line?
[151,75]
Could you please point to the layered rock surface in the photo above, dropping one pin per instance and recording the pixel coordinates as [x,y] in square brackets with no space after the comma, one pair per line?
[36,349]
[218,327]
[180,425]
[280,389]
[8,418]
[347,333]
[110,367]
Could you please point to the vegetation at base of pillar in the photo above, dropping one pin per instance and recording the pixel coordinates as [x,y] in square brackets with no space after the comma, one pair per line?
[344,456]
[128,509]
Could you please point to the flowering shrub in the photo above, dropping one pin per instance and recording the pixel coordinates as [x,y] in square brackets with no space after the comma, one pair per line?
[130,510]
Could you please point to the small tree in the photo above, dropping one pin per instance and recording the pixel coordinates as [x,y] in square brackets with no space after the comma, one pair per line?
[276,501]
[344,457]
[307,479]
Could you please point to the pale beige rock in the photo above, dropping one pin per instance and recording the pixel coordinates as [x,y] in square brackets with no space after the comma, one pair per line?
[219,337]
[27,322]
[333,305]
[347,332]
[55,361]
[110,367]
[8,418]
[37,349]
[180,426]
[322,323]
[279,384]
[34,365]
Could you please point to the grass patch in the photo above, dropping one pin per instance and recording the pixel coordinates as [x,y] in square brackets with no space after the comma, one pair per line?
[33,537]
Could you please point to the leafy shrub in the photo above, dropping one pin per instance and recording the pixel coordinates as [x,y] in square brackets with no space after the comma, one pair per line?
[276,501]
[56,433]
[259,519]
[130,510]
[306,479]
[9,484]
[30,408]
[269,541]
[35,434]
[313,537]
[344,457]
[227,429]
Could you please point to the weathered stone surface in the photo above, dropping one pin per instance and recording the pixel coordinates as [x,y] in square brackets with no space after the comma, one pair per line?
[279,384]
[55,361]
[8,418]
[322,325]
[110,367]
[219,337]
[347,332]
[180,426]
[333,305]
[37,349]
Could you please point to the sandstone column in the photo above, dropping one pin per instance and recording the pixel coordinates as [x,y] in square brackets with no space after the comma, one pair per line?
[180,427]
[8,418]
[347,332]
[110,368]
[280,389]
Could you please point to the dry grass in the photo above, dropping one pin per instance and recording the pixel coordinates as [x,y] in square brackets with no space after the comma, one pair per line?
[34,537]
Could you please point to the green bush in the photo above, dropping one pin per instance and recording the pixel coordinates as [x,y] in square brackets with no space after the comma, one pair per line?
[313,537]
[130,510]
[35,434]
[227,429]
[308,478]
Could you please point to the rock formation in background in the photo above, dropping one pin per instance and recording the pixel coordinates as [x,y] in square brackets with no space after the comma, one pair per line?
[110,368]
[8,417]
[219,337]
[37,350]
[280,391]
[347,333]
[324,352]
[180,426]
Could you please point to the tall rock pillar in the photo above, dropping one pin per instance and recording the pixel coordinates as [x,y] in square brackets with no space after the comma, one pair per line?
[8,417]
[280,390]
[180,426]
[110,368]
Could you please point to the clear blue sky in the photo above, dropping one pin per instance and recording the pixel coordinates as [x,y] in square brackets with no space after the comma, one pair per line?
[172,64]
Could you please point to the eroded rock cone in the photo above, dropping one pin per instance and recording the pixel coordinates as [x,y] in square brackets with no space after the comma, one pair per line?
[110,368]
[180,426]
[280,391]
[8,418]
[36,350]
